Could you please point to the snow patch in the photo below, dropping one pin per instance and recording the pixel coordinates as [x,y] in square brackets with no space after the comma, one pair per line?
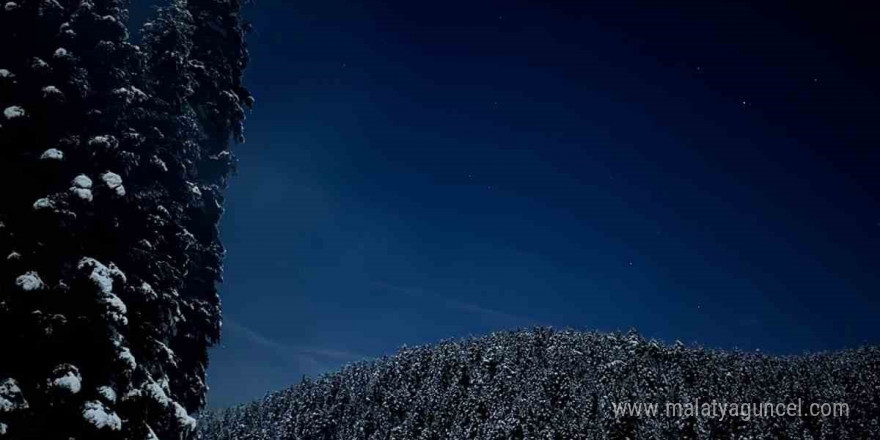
[82,193]
[147,290]
[100,417]
[169,354]
[29,282]
[107,393]
[61,53]
[130,94]
[116,309]
[103,142]
[44,203]
[69,382]
[82,187]
[52,154]
[101,275]
[13,112]
[10,6]
[159,163]
[183,418]
[3,429]
[128,358]
[66,377]
[51,91]
[13,256]
[194,188]
[114,182]
[82,181]
[38,64]
[11,398]
[6,74]
[155,391]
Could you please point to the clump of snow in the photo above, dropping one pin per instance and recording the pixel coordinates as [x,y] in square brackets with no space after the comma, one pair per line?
[82,187]
[11,398]
[116,309]
[116,272]
[10,6]
[148,292]
[130,94]
[103,142]
[66,30]
[66,377]
[61,53]
[52,154]
[169,354]
[138,93]
[44,203]
[4,428]
[183,418]
[13,112]
[82,181]
[38,64]
[194,188]
[51,91]
[6,74]
[159,163]
[100,274]
[128,358]
[13,256]
[155,392]
[114,182]
[108,393]
[29,282]
[100,417]
[82,193]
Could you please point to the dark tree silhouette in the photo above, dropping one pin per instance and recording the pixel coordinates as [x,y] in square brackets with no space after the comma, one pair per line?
[113,159]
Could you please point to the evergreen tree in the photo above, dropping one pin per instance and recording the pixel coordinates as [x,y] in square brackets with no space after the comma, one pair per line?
[113,158]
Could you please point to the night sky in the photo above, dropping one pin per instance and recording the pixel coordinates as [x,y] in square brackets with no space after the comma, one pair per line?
[419,171]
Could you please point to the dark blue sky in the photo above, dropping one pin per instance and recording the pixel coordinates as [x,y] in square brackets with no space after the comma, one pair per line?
[418,171]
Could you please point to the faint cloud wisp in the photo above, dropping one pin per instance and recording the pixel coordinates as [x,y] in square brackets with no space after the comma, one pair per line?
[315,357]
[464,306]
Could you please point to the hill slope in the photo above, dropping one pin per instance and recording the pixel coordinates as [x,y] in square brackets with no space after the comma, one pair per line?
[561,385]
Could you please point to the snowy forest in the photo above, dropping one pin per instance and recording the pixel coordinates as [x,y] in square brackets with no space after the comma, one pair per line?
[547,384]
[113,159]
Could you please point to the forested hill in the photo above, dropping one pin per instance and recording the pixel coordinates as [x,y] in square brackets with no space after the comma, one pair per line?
[546,384]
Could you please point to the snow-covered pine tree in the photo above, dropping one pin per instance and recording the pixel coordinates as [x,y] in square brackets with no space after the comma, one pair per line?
[112,163]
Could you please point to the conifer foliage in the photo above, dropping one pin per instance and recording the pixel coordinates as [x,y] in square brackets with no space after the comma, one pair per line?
[113,159]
